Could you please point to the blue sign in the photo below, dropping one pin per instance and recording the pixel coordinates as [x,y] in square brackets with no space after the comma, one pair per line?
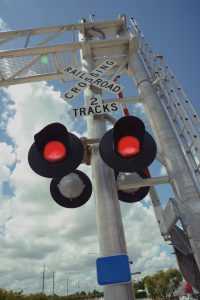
[113,270]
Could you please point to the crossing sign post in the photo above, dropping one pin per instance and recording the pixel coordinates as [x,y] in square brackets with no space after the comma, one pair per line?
[108,215]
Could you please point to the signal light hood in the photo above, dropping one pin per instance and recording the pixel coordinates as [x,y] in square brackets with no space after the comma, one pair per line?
[72,160]
[133,127]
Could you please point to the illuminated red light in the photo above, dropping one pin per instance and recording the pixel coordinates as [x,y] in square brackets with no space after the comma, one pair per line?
[188,288]
[54,151]
[128,146]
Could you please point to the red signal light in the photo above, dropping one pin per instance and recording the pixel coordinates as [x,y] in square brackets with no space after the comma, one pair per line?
[128,146]
[54,151]
[188,288]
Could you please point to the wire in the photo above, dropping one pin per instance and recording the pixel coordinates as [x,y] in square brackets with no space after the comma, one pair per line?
[121,96]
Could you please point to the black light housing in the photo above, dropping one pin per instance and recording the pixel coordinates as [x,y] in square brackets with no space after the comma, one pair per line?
[70,160]
[137,195]
[132,128]
[71,202]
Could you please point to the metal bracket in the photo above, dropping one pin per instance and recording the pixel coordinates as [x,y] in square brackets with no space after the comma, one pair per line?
[87,144]
[158,79]
[127,182]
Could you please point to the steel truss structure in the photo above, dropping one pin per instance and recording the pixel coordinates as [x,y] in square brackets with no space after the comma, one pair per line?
[42,54]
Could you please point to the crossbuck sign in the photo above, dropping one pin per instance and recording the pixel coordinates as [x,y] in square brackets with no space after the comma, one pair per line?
[95,105]
[93,78]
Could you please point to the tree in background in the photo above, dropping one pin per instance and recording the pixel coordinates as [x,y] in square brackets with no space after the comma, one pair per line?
[174,278]
[11,295]
[139,289]
[160,286]
[163,284]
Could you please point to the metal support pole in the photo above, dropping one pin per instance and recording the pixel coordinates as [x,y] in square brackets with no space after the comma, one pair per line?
[43,279]
[185,191]
[158,212]
[53,283]
[67,286]
[108,215]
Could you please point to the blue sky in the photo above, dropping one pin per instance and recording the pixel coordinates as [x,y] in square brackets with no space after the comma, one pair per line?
[171,28]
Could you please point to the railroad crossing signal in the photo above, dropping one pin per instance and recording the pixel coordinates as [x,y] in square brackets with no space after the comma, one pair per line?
[56,154]
[129,148]
[178,144]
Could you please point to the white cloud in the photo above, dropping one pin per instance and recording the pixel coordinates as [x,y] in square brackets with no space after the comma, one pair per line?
[7,159]
[163,171]
[42,232]
[3,25]
[145,241]
[7,156]
[4,173]
[139,108]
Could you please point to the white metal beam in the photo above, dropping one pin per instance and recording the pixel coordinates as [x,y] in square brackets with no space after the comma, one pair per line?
[68,27]
[127,182]
[132,99]
[63,47]
[29,79]
[159,213]
[171,214]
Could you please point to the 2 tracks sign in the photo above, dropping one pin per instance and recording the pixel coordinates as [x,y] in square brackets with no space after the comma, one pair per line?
[95,105]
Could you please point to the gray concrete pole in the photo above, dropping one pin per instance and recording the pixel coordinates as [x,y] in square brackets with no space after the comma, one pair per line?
[186,194]
[43,278]
[53,284]
[108,215]
[67,286]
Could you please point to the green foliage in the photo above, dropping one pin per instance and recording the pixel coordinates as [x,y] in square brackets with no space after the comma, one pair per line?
[139,285]
[11,295]
[163,284]
[139,289]
[141,294]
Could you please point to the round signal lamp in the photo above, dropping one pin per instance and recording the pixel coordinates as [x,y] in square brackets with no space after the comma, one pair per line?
[54,151]
[128,146]
[188,288]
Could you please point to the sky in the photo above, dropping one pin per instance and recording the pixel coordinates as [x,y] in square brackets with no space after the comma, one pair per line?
[34,230]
